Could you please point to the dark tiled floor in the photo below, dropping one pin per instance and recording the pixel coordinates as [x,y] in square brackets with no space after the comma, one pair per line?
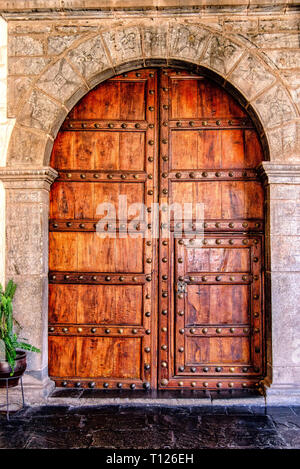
[148,427]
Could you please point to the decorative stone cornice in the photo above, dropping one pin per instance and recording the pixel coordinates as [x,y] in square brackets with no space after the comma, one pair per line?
[278,173]
[12,8]
[28,178]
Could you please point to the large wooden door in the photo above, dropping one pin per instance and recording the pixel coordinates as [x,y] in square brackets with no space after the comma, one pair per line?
[185,310]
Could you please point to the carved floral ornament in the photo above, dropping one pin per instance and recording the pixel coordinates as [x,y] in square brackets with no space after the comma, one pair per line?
[100,56]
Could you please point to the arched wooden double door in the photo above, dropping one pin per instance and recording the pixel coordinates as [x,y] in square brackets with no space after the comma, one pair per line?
[134,311]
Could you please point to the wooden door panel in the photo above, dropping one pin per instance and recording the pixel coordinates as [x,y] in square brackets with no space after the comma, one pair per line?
[207,194]
[227,200]
[215,350]
[62,351]
[106,150]
[79,201]
[87,252]
[217,304]
[199,97]
[211,323]
[96,304]
[114,99]
[218,259]
[192,149]
[108,357]
[101,293]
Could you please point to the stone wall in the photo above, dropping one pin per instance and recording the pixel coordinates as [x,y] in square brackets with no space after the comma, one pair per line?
[57,53]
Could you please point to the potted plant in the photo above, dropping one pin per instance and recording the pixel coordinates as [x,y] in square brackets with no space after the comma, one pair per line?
[12,349]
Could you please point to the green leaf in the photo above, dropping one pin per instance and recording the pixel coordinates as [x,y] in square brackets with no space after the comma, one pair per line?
[24,346]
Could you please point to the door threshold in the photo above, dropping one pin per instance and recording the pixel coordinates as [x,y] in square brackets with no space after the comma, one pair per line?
[140,395]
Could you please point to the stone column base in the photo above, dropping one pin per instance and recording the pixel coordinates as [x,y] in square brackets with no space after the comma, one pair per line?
[36,392]
[283,395]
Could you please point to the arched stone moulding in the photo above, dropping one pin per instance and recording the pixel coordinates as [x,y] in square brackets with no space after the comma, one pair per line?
[233,61]
[233,64]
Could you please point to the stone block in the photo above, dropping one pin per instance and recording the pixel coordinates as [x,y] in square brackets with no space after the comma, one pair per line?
[26,65]
[284,59]
[60,81]
[275,40]
[284,142]
[285,253]
[285,217]
[57,44]
[155,41]
[283,191]
[39,112]
[241,26]
[16,89]
[25,45]
[26,239]
[275,106]
[291,77]
[30,310]
[89,57]
[251,76]
[221,54]
[27,27]
[187,41]
[287,375]
[280,24]
[123,44]
[27,147]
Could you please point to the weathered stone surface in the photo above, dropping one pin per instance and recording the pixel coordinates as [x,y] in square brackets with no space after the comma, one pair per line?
[285,253]
[26,65]
[285,192]
[291,77]
[30,310]
[275,106]
[285,216]
[284,142]
[251,76]
[26,241]
[221,54]
[244,26]
[39,112]
[123,44]
[285,58]
[60,81]
[89,57]
[25,45]
[270,25]
[57,44]
[17,88]
[27,27]
[187,41]
[276,40]
[155,41]
[27,147]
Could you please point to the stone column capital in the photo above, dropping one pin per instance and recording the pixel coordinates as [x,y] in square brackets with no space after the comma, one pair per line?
[278,173]
[28,178]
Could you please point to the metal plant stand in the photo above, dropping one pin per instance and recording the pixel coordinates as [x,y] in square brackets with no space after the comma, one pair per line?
[7,388]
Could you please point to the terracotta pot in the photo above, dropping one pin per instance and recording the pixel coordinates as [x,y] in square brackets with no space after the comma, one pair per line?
[5,370]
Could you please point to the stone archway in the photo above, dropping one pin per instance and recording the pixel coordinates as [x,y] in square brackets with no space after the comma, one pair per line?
[89,61]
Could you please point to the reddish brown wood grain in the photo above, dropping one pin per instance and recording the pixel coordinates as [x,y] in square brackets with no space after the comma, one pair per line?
[162,136]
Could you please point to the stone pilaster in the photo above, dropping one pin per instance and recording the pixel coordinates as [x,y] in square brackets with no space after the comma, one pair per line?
[27,205]
[282,183]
